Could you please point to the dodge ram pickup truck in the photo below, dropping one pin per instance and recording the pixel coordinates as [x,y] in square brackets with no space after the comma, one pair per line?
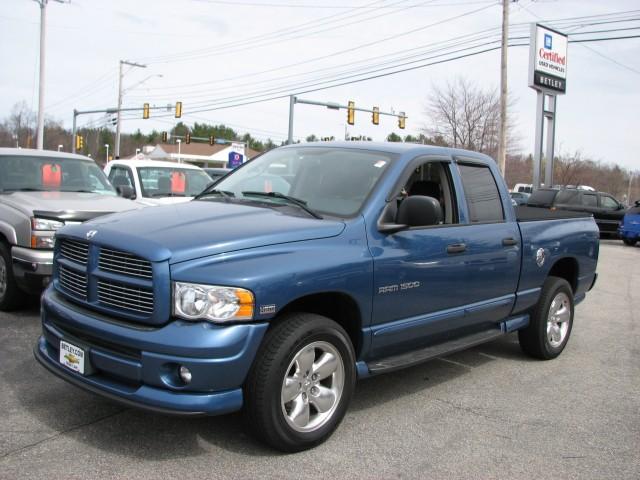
[303,270]
[41,191]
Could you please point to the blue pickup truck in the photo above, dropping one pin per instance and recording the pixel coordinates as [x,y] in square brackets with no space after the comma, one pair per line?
[302,271]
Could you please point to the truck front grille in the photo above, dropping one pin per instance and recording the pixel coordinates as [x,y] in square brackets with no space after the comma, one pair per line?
[74,283]
[124,263]
[125,297]
[74,251]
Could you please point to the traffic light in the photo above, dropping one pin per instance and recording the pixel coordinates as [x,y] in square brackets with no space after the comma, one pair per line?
[114,120]
[401,120]
[165,137]
[187,138]
[79,142]
[375,117]
[145,111]
[351,113]
[178,109]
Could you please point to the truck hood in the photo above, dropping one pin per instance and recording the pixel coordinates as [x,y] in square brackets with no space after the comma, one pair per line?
[197,229]
[69,203]
[153,202]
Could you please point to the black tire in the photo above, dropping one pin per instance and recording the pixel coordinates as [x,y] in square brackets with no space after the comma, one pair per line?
[534,340]
[264,411]
[629,241]
[11,297]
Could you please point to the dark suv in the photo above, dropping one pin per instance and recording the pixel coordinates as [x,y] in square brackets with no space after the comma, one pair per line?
[607,211]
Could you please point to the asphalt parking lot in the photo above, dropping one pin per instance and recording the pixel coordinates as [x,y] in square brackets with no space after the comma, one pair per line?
[489,412]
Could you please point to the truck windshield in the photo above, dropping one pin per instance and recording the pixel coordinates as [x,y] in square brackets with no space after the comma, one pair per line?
[331,180]
[58,174]
[172,181]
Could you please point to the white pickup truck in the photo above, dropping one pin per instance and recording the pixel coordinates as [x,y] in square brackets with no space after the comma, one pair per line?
[152,182]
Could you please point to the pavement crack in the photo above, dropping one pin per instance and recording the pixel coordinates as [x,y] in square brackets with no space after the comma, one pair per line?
[62,432]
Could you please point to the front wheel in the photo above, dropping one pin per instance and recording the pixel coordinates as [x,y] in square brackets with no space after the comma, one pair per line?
[301,382]
[10,295]
[551,321]
[629,241]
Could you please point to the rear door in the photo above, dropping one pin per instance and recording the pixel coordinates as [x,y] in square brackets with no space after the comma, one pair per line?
[609,213]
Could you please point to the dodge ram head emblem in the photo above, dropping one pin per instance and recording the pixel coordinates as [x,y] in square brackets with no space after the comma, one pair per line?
[91,234]
[541,256]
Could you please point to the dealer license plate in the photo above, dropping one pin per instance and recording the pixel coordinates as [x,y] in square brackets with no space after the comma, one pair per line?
[72,357]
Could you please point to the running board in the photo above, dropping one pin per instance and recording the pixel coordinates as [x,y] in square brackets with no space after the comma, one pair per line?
[402,360]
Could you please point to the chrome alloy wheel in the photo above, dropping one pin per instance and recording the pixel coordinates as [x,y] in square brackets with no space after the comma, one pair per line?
[3,277]
[558,319]
[312,386]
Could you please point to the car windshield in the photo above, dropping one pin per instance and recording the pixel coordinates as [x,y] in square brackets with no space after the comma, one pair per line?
[58,174]
[172,181]
[330,180]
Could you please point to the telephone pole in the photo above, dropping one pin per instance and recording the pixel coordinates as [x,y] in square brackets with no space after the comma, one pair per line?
[502,129]
[132,64]
[43,31]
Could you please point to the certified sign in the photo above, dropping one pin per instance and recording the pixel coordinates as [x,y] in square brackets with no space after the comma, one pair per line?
[547,59]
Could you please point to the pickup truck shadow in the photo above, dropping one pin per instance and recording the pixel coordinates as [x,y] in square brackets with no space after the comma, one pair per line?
[67,411]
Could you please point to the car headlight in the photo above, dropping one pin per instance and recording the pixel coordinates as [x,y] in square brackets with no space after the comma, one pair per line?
[43,231]
[193,301]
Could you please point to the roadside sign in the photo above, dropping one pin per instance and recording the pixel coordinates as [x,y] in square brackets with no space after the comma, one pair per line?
[235,159]
[547,60]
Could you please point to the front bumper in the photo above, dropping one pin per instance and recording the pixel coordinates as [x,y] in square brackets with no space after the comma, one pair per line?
[138,365]
[630,234]
[32,268]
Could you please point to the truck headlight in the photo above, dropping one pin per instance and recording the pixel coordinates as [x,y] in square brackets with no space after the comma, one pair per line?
[193,301]
[43,231]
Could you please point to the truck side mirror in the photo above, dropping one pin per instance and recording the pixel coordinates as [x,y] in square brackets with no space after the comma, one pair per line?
[126,191]
[419,211]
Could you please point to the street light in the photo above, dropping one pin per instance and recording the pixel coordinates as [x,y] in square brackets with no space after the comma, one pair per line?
[60,147]
[106,145]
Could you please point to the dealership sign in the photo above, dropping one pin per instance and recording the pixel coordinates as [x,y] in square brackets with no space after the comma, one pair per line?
[547,60]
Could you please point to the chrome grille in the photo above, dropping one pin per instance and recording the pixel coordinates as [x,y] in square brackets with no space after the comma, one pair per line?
[126,297]
[74,251]
[72,282]
[124,263]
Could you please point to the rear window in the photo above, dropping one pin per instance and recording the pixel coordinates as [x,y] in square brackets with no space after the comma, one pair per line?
[568,197]
[481,192]
[542,198]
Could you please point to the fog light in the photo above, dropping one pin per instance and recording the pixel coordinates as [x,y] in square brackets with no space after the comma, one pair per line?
[185,374]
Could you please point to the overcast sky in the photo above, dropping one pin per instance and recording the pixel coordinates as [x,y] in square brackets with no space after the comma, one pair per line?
[212,51]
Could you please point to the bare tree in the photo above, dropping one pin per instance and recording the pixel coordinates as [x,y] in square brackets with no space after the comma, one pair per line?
[21,125]
[466,116]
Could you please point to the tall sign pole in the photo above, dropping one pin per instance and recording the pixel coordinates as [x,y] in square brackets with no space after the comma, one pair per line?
[548,76]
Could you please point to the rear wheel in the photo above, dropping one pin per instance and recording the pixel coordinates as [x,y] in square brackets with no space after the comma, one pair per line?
[10,294]
[301,382]
[629,241]
[551,321]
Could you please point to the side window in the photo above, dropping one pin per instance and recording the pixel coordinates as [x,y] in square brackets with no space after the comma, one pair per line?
[608,203]
[431,179]
[589,200]
[481,191]
[121,177]
[568,197]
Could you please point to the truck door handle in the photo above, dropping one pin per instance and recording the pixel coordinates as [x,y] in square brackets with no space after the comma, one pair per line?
[509,242]
[456,248]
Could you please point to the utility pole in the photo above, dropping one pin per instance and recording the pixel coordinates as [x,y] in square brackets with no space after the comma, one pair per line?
[43,31]
[132,64]
[502,129]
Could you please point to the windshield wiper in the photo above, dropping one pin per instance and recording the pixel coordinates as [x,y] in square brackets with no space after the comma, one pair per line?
[292,200]
[222,193]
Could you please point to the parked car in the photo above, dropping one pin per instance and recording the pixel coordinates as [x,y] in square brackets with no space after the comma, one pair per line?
[606,210]
[152,182]
[274,297]
[629,230]
[519,197]
[40,192]
[217,173]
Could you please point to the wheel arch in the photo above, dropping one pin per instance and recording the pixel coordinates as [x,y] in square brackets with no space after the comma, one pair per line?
[338,306]
[568,269]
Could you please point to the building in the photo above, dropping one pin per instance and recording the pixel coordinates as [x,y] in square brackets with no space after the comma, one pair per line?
[201,154]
